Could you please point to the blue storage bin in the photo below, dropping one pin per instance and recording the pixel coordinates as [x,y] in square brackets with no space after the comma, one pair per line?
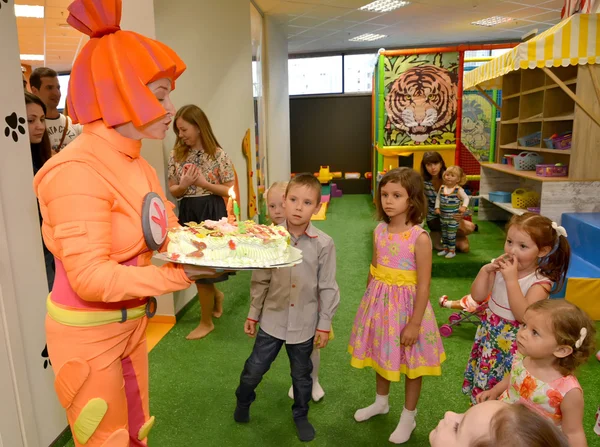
[500,196]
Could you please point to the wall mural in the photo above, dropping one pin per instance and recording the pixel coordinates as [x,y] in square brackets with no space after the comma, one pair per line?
[421,99]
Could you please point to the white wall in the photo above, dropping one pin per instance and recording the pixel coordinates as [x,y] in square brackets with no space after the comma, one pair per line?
[138,16]
[278,102]
[213,39]
[23,285]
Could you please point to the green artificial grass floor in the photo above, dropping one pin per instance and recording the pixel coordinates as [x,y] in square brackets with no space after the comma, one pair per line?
[192,383]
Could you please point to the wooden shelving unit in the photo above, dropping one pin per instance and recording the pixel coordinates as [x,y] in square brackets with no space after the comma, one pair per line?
[533,102]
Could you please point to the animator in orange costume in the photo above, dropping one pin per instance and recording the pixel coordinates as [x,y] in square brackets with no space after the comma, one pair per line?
[104,213]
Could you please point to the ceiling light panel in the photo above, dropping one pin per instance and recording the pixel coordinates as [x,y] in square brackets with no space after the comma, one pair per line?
[32,57]
[367,37]
[383,5]
[492,21]
[34,12]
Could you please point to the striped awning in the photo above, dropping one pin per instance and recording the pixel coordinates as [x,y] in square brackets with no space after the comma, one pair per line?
[575,40]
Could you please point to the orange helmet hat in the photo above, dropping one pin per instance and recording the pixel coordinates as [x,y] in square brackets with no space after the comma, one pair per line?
[109,76]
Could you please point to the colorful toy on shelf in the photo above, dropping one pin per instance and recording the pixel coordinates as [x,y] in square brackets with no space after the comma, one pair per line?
[352,175]
[325,176]
[335,192]
[368,175]
[552,170]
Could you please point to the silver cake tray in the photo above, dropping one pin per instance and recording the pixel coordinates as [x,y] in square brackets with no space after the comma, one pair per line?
[294,258]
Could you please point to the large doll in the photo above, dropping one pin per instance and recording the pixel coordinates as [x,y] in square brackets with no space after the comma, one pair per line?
[104,213]
[451,200]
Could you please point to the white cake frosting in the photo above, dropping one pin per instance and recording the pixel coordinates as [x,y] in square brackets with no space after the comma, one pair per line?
[219,243]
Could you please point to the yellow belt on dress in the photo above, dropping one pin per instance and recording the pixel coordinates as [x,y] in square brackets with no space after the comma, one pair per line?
[394,277]
[85,318]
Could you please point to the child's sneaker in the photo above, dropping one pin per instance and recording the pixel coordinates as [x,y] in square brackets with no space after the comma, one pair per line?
[450,255]
[442,253]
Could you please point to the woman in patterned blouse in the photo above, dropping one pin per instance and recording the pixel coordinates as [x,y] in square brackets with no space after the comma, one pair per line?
[200,175]
[432,171]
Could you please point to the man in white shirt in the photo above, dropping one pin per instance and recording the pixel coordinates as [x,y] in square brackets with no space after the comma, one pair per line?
[61,130]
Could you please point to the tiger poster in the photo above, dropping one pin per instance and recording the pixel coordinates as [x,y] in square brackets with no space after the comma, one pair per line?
[421,94]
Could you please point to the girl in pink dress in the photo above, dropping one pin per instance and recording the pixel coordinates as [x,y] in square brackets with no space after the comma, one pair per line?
[395,331]
[555,338]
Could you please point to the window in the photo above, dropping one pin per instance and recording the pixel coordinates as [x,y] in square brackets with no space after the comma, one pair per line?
[63,81]
[358,72]
[315,75]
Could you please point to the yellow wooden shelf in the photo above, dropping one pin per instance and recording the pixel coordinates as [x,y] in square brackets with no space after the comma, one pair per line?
[568,82]
[533,90]
[514,95]
[564,117]
[516,147]
[512,121]
[508,169]
[533,119]
[505,206]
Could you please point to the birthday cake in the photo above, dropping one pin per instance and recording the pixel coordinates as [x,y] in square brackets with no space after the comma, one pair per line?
[220,243]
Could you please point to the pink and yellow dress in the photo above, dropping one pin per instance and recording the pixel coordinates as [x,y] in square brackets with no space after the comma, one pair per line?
[541,397]
[386,308]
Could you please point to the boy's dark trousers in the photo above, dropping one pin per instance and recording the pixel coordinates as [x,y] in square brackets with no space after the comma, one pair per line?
[263,354]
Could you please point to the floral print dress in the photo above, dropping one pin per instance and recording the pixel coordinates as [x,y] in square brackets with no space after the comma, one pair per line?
[544,398]
[387,307]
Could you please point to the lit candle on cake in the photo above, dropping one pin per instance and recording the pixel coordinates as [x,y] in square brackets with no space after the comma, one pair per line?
[236,209]
[230,214]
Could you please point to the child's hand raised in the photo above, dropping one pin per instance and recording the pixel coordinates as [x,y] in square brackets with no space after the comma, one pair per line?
[250,328]
[508,267]
[491,267]
[321,339]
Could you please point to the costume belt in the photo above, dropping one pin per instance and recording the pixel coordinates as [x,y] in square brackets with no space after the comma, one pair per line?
[84,318]
[394,277]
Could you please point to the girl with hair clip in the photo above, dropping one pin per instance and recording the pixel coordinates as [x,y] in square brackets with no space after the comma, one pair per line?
[496,424]
[535,262]
[555,339]
[395,331]
[104,213]
[451,200]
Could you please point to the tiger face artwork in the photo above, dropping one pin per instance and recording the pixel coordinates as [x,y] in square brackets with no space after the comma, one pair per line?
[421,100]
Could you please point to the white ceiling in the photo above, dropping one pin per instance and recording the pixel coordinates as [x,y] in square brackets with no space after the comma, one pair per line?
[326,25]
[60,39]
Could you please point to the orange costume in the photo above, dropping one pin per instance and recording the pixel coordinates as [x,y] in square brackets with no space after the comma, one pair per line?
[104,213]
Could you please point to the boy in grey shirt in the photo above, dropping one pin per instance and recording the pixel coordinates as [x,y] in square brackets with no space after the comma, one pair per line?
[294,306]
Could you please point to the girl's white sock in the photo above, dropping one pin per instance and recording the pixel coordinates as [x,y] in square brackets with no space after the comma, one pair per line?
[405,427]
[380,406]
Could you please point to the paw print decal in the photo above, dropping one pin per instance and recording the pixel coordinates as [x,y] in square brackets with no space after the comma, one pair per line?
[47,361]
[14,124]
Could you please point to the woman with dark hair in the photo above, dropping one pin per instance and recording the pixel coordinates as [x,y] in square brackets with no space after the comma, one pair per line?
[38,137]
[432,171]
[40,154]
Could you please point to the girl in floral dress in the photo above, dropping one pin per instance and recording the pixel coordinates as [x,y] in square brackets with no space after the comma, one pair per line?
[395,331]
[536,257]
[556,337]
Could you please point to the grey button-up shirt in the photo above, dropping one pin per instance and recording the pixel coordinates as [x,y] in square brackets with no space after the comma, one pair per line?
[292,303]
